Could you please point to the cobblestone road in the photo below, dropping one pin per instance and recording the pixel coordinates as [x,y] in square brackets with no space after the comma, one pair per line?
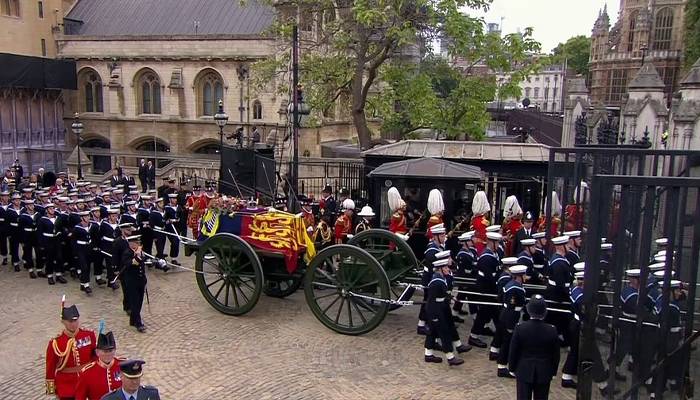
[278,351]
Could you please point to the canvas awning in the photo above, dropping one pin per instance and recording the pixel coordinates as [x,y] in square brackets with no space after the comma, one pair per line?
[427,167]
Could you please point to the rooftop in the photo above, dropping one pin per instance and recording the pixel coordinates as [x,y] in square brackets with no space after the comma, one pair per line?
[426,167]
[463,150]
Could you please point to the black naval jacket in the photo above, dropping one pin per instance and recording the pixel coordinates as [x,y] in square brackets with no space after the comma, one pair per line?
[534,352]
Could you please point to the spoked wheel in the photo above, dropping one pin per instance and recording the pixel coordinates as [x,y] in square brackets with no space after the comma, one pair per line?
[338,283]
[281,287]
[394,255]
[229,274]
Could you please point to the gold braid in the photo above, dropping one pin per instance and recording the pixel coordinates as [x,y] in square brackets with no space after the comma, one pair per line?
[63,355]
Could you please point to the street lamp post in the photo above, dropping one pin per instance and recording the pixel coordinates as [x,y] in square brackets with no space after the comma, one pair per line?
[77,128]
[221,118]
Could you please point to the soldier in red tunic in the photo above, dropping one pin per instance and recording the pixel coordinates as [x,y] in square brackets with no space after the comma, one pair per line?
[343,225]
[307,213]
[480,209]
[436,207]
[573,213]
[67,354]
[556,217]
[102,376]
[512,214]
[397,224]
[197,206]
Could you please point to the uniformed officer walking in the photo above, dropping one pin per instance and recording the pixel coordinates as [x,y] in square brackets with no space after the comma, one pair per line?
[173,212]
[49,243]
[134,273]
[131,373]
[102,376]
[82,245]
[487,267]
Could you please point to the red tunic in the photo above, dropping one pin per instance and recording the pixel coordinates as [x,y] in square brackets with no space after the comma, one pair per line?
[398,223]
[478,225]
[343,226]
[65,357]
[97,379]
[309,219]
[434,220]
[511,228]
[574,220]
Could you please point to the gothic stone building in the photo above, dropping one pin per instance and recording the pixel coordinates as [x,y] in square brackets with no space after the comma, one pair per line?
[645,29]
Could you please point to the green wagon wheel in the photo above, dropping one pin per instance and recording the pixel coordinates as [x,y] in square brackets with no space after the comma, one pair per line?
[229,274]
[393,253]
[281,288]
[338,283]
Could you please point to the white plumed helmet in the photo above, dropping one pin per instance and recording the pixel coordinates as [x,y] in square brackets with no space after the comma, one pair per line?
[480,205]
[348,204]
[435,203]
[394,198]
[511,207]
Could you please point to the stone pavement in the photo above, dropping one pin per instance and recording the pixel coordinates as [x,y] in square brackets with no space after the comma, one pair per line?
[278,351]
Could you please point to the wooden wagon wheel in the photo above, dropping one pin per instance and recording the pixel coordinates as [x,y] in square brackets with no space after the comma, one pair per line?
[338,282]
[394,255]
[229,274]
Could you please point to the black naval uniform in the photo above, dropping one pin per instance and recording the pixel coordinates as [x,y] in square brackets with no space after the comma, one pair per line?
[557,290]
[534,358]
[172,219]
[119,246]
[429,256]
[487,267]
[27,226]
[108,233]
[437,313]
[157,222]
[466,258]
[134,274]
[143,216]
[82,246]
[95,251]
[513,302]
[12,220]
[49,245]
[3,234]
[64,229]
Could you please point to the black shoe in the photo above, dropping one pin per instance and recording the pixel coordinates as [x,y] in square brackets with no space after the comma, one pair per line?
[433,359]
[493,356]
[476,342]
[86,289]
[100,282]
[16,267]
[41,274]
[422,330]
[114,285]
[457,319]
[73,274]
[51,281]
[61,279]
[32,275]
[166,268]
[4,261]
[463,348]
[175,262]
[606,390]
[568,383]
[504,373]
[455,361]
[141,328]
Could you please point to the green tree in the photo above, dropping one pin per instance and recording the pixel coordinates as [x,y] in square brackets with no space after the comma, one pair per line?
[692,32]
[576,52]
[356,41]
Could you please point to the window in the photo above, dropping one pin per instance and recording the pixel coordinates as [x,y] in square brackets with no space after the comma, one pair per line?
[41,9]
[257,109]
[554,93]
[91,88]
[632,28]
[210,90]
[149,96]
[537,79]
[43,47]
[546,93]
[527,92]
[9,8]
[663,29]
[545,106]
[617,84]
[537,92]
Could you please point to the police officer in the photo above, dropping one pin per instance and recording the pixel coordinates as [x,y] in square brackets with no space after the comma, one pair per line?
[466,258]
[82,245]
[49,244]
[172,218]
[534,353]
[513,300]
[134,273]
[131,372]
[27,225]
[12,213]
[487,267]
[435,248]
[559,282]
[525,232]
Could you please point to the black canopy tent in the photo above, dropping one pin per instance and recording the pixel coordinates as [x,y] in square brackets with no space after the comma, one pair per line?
[36,72]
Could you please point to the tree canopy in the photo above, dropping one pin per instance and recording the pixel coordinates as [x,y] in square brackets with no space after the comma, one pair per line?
[576,52]
[377,56]
[692,32]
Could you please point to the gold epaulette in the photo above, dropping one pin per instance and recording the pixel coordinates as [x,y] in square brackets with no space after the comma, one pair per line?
[86,366]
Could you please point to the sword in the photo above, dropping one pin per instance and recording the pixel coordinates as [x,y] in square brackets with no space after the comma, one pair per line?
[240,194]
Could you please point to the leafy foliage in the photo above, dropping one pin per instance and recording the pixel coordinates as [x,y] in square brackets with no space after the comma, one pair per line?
[576,52]
[692,32]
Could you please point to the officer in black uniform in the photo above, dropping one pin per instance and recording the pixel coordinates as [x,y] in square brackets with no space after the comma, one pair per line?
[48,240]
[435,248]
[534,353]
[525,232]
[27,224]
[12,213]
[109,232]
[119,246]
[143,216]
[96,258]
[487,267]
[513,300]
[131,372]
[572,248]
[466,259]
[130,215]
[82,246]
[134,272]
[157,222]
[173,212]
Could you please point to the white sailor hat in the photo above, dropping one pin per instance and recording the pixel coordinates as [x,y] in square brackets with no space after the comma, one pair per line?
[675,284]
[661,241]
[579,275]
[528,242]
[494,236]
[28,190]
[660,253]
[657,266]
[105,193]
[517,269]
[159,199]
[28,202]
[661,274]
[572,234]
[76,201]
[130,203]
[4,193]
[509,260]
[442,254]
[147,197]
[538,266]
[172,195]
[437,229]
[93,186]
[441,263]
[660,258]
[43,194]
[606,246]
[580,266]
[560,240]
[493,228]
[133,187]
[466,236]
[84,213]
[113,210]
[633,273]
[118,191]
[63,199]
[539,235]
[93,209]
[49,205]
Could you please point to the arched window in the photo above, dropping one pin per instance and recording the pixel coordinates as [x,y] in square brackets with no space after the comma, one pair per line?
[149,93]
[91,91]
[257,109]
[632,28]
[155,146]
[211,89]
[663,29]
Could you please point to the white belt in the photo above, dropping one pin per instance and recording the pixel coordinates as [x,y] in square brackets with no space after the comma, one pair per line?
[15,224]
[517,308]
[551,282]
[440,299]
[577,317]
[29,230]
[628,315]
[50,234]
[481,273]
[81,242]
[108,239]
[425,269]
[2,219]
[675,329]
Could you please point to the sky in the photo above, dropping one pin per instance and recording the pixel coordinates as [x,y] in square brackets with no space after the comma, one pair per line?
[553,21]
